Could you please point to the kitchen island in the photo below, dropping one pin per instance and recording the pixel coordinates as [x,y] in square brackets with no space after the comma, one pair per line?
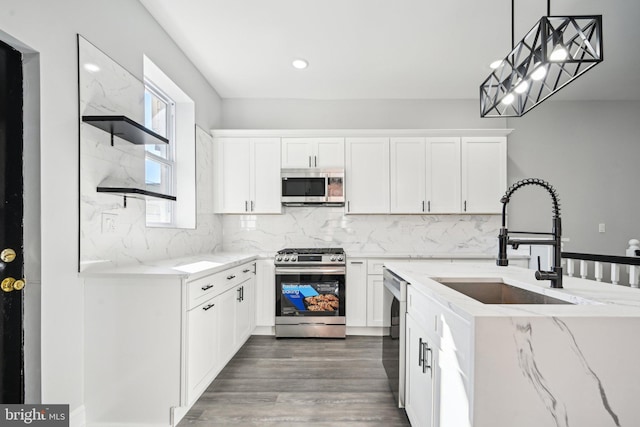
[503,365]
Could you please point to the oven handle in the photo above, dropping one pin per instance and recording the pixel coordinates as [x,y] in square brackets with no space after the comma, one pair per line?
[283,271]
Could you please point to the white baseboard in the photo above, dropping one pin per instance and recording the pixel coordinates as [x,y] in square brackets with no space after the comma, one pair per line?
[264,330]
[367,331]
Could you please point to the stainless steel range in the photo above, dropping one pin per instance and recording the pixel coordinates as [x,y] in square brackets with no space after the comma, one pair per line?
[310,292]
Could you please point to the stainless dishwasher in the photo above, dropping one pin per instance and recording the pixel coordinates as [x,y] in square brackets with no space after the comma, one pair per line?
[393,350]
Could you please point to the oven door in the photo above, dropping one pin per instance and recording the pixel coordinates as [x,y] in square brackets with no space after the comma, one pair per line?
[310,295]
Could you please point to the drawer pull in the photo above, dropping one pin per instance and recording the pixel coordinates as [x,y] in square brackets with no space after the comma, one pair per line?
[231,277]
[207,287]
[246,271]
[208,306]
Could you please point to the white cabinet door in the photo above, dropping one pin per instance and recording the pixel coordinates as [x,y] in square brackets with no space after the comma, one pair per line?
[312,152]
[356,293]
[408,175]
[297,152]
[443,175]
[367,175]
[244,313]
[226,327]
[329,153]
[378,302]
[266,293]
[420,375]
[247,174]
[265,178]
[201,348]
[484,174]
[233,175]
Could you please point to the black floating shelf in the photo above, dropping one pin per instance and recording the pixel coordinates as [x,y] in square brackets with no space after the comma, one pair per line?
[125,128]
[134,192]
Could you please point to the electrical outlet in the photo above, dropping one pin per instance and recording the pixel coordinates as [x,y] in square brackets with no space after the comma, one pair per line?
[109,223]
[601,228]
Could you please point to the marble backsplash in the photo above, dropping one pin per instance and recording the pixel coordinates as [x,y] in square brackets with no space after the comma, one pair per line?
[329,226]
[107,88]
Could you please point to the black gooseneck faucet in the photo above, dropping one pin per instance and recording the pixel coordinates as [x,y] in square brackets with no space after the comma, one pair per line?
[555,275]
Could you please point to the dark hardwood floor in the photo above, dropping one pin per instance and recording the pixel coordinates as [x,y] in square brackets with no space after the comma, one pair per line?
[300,382]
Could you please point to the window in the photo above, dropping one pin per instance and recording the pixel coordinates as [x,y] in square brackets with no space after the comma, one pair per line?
[159,116]
[170,168]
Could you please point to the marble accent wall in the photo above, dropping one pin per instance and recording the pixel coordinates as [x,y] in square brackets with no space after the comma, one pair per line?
[127,239]
[329,226]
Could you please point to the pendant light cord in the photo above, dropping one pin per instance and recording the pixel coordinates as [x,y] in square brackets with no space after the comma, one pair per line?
[513,37]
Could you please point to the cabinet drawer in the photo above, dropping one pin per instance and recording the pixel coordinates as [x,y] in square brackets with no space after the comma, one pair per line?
[201,289]
[374,266]
[424,310]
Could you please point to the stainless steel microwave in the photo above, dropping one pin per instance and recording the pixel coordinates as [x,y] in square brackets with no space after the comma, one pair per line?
[319,187]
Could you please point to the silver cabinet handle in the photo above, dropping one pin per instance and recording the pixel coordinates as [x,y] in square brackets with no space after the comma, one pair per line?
[252,206]
[356,262]
[420,353]
[207,287]
[246,208]
[465,205]
[246,271]
[429,206]
[208,307]
[348,206]
[309,161]
[315,161]
[231,277]
[423,206]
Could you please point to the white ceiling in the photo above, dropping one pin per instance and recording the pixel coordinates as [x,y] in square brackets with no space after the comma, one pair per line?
[383,49]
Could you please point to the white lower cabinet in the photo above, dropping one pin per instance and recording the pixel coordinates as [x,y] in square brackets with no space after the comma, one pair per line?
[153,344]
[265,296]
[356,293]
[202,347]
[438,364]
[421,375]
[378,302]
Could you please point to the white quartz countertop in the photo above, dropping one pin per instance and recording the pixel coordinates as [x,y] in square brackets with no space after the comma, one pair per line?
[591,298]
[191,267]
[435,256]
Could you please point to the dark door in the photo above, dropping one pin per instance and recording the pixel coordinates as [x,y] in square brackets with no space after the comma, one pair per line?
[11,240]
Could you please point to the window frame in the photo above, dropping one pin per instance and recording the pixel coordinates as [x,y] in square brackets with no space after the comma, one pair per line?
[170,160]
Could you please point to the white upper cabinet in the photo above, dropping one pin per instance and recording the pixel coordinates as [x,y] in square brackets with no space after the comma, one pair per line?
[247,175]
[367,175]
[484,174]
[443,175]
[425,175]
[313,152]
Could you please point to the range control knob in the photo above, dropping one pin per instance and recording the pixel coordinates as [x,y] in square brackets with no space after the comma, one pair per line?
[340,258]
[286,258]
[279,258]
[333,258]
[293,258]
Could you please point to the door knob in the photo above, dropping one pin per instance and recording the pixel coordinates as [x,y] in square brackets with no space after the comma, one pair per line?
[8,255]
[10,284]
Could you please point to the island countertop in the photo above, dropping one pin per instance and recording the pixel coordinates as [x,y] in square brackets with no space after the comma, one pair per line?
[588,297]
[525,365]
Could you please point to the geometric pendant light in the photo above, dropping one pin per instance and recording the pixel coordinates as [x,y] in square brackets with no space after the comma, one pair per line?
[554,52]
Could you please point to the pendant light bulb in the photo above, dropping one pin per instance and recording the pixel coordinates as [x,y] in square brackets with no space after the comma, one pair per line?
[522,87]
[539,73]
[559,54]
[495,64]
[508,100]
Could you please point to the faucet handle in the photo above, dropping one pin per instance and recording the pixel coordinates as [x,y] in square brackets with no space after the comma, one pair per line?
[538,262]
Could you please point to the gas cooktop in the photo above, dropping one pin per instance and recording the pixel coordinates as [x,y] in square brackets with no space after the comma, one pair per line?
[324,251]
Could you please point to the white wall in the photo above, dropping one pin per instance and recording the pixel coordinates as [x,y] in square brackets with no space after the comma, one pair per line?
[589,151]
[354,114]
[125,31]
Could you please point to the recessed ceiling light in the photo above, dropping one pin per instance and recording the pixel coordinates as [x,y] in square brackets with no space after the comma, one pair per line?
[300,64]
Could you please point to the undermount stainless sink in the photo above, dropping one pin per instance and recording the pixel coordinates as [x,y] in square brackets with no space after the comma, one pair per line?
[497,292]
